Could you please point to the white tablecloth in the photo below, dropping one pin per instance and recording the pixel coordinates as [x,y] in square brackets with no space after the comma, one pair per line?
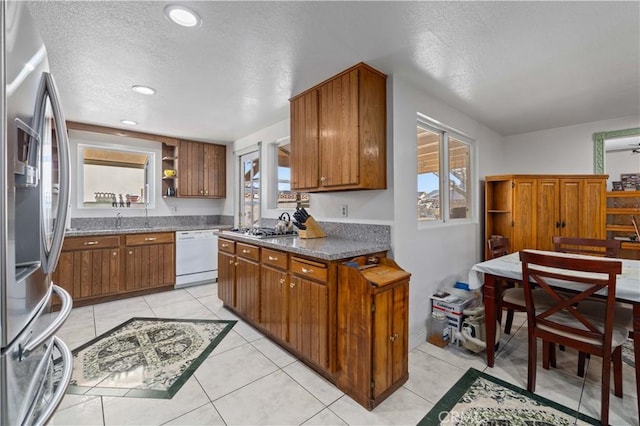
[509,266]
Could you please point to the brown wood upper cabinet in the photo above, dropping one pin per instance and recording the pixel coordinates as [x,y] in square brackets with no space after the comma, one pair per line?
[338,133]
[203,170]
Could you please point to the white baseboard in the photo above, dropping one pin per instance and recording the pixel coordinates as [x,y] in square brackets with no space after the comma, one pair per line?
[196,279]
[416,340]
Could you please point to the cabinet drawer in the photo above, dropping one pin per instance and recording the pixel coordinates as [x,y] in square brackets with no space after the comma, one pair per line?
[248,252]
[84,243]
[145,239]
[226,246]
[309,269]
[274,258]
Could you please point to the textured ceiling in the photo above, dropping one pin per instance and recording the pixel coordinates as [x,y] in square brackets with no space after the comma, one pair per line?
[514,66]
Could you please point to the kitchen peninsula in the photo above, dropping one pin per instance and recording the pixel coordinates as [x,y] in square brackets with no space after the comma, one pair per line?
[340,305]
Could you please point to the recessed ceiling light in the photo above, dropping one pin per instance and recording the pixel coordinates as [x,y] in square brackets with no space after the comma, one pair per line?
[145,90]
[182,16]
[129,122]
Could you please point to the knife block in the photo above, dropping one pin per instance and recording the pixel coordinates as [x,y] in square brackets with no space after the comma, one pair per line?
[313,229]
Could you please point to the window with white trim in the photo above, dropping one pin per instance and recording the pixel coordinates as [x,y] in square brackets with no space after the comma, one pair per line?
[444,174]
[285,197]
[250,189]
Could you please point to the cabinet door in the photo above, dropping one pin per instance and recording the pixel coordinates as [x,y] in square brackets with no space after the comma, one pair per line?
[88,273]
[592,210]
[309,319]
[248,288]
[524,214]
[215,170]
[227,278]
[273,301]
[304,141]
[149,266]
[338,141]
[547,210]
[390,336]
[191,166]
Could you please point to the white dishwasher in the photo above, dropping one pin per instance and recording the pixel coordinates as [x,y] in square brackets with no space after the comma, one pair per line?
[196,257]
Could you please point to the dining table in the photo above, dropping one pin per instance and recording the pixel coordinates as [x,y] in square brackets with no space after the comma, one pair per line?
[488,275]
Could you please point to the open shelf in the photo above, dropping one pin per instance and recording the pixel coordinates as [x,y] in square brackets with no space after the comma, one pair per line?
[622,206]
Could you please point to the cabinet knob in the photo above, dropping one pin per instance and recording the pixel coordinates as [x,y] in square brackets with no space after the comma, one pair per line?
[292,285]
[281,280]
[273,258]
[91,243]
[115,253]
[130,251]
[323,179]
[231,262]
[393,337]
[564,223]
[201,191]
[245,251]
[307,271]
[150,239]
[225,245]
[237,263]
[206,192]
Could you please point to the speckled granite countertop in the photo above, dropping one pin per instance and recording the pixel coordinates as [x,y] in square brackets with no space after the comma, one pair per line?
[81,227]
[330,248]
[117,231]
[345,240]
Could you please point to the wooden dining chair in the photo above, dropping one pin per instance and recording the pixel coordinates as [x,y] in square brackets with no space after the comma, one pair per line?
[511,297]
[587,246]
[571,320]
[498,246]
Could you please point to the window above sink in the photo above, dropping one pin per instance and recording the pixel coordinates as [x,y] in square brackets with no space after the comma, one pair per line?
[115,176]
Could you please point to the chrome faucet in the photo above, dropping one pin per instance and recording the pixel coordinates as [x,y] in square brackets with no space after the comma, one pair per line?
[146,216]
[119,220]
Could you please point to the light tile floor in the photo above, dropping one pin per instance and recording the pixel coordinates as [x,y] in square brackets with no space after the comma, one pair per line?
[249,380]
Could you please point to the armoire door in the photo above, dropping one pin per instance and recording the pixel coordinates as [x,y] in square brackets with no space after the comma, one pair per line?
[524,214]
[548,221]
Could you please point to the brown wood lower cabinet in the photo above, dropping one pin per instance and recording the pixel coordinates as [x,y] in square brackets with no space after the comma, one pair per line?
[248,281]
[274,292]
[227,272]
[149,260]
[309,311]
[89,267]
[350,327]
[99,268]
[373,337]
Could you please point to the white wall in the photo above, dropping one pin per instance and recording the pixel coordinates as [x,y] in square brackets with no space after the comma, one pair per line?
[163,206]
[437,255]
[561,150]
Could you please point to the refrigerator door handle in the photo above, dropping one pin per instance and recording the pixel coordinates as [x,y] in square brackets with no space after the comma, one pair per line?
[49,89]
[65,310]
[67,370]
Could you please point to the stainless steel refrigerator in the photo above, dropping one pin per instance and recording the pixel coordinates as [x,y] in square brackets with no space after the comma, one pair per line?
[34,192]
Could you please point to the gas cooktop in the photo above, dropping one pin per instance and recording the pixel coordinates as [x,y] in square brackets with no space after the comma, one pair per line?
[263,232]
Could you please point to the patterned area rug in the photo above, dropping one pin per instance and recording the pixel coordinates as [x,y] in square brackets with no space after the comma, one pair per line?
[627,353]
[480,399]
[145,357]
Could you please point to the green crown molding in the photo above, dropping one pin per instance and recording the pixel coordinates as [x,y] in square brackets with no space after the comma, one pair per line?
[598,145]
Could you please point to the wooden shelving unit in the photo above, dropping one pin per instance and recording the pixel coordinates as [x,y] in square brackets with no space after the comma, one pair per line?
[621,207]
[169,162]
